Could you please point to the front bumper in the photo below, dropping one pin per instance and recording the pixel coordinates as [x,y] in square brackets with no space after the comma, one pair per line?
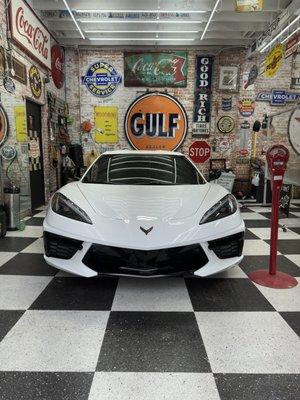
[92,259]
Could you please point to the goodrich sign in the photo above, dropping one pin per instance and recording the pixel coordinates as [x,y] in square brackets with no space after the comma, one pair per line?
[29,32]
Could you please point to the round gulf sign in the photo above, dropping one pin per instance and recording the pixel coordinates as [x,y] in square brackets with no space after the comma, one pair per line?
[199,151]
[294,129]
[155,121]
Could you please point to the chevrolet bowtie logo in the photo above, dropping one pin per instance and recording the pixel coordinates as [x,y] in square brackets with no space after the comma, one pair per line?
[146,231]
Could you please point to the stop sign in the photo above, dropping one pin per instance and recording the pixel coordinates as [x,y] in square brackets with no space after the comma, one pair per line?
[199,151]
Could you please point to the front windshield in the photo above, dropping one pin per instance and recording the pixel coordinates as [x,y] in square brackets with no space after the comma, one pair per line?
[143,169]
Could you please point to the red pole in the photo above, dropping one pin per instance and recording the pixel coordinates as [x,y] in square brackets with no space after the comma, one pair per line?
[274,230]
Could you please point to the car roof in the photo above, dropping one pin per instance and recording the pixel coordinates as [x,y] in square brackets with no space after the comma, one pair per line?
[125,151]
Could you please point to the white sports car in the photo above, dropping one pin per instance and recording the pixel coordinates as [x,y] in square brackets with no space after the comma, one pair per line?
[143,213]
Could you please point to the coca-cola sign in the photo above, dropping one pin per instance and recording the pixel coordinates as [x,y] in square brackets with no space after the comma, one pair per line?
[57,65]
[29,32]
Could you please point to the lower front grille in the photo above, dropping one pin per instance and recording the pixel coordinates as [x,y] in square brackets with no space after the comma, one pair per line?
[60,246]
[229,246]
[116,260]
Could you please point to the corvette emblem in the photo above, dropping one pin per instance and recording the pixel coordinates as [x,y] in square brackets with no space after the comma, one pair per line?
[146,231]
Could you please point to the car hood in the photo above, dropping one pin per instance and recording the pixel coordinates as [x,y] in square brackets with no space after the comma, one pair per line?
[127,202]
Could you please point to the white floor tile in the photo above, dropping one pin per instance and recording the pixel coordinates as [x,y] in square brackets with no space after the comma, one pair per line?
[167,294]
[290,222]
[260,209]
[153,386]
[54,341]
[6,256]
[265,233]
[295,201]
[29,231]
[252,215]
[249,342]
[235,272]
[18,292]
[36,247]
[297,214]
[282,299]
[253,247]
[41,208]
[295,258]
[41,214]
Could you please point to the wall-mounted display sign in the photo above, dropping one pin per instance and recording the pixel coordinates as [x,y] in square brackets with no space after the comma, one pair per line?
[246,107]
[9,84]
[226,103]
[29,32]
[57,65]
[101,79]
[199,151]
[248,5]
[202,106]
[274,61]
[106,124]
[278,97]
[245,139]
[229,78]
[8,152]
[155,121]
[295,78]
[35,81]
[253,74]
[21,123]
[155,69]
[3,125]
[291,45]
[226,124]
[294,129]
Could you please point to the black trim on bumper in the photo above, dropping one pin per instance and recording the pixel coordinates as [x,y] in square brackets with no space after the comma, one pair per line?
[229,246]
[60,246]
[122,261]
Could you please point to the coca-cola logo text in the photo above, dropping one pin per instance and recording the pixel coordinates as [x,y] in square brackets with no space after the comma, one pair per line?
[34,35]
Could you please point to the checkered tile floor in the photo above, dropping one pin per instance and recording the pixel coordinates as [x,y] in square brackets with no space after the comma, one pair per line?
[68,338]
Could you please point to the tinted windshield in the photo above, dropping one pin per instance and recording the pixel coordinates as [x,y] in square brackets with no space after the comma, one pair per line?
[143,169]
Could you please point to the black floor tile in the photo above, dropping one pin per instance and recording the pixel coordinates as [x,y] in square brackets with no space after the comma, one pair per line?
[247,210]
[293,319]
[253,263]
[15,244]
[257,223]
[35,221]
[258,386]
[45,385]
[296,230]
[77,294]
[250,235]
[269,214]
[153,342]
[27,264]
[288,246]
[226,295]
[8,318]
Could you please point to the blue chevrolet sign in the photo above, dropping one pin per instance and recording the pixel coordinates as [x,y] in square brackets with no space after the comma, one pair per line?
[278,97]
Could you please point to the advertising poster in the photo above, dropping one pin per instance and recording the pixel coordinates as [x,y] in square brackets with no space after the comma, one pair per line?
[202,105]
[106,124]
[155,69]
[21,124]
[249,5]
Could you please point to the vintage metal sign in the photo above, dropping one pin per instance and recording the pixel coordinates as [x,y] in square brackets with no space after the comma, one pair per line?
[202,106]
[294,129]
[21,123]
[106,124]
[155,69]
[35,81]
[199,151]
[226,103]
[3,125]
[29,32]
[278,97]
[226,124]
[248,5]
[295,78]
[101,79]
[253,74]
[246,107]
[155,121]
[57,65]
[291,45]
[274,61]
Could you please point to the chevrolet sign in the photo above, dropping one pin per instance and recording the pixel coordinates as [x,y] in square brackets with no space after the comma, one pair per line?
[278,97]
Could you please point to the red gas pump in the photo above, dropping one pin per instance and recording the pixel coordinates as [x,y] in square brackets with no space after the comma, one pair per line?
[277,158]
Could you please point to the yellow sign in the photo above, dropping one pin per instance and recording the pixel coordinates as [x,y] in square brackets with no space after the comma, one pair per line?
[248,5]
[21,124]
[274,61]
[106,124]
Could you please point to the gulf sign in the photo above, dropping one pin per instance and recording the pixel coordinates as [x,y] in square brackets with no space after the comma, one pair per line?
[155,121]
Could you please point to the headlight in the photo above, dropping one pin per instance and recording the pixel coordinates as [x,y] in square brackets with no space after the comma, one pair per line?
[223,208]
[61,205]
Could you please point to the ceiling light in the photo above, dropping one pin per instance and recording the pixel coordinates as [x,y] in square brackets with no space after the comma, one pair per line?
[151,21]
[210,18]
[138,31]
[142,39]
[291,34]
[73,18]
[280,34]
[144,11]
